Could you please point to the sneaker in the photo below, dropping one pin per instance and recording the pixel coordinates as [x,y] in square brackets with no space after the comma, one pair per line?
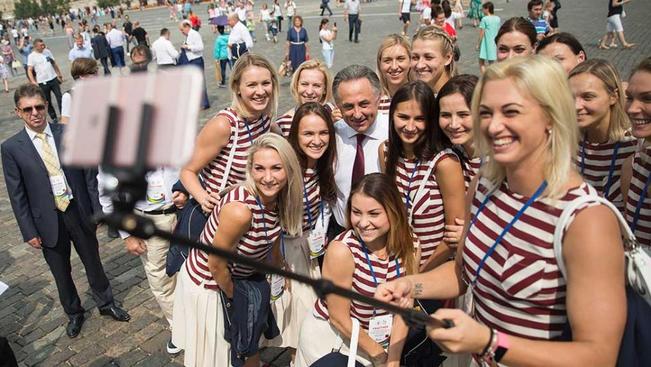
[173,349]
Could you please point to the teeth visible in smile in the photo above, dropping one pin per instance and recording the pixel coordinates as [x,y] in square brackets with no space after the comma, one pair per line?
[502,141]
[640,122]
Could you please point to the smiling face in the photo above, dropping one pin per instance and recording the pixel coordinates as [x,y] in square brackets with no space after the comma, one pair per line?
[592,101]
[409,122]
[268,173]
[255,89]
[513,44]
[514,125]
[313,137]
[358,102]
[638,103]
[369,219]
[311,86]
[32,111]
[455,119]
[564,55]
[394,66]
[428,61]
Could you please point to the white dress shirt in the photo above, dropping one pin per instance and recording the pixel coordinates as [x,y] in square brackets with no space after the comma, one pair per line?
[164,52]
[346,138]
[195,45]
[159,191]
[115,38]
[38,144]
[240,34]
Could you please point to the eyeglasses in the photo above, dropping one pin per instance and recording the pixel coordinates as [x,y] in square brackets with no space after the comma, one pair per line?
[30,109]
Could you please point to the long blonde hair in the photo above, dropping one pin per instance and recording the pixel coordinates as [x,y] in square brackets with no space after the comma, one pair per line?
[309,65]
[546,82]
[240,67]
[390,41]
[290,198]
[619,123]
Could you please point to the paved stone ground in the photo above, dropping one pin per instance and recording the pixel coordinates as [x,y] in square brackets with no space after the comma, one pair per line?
[30,314]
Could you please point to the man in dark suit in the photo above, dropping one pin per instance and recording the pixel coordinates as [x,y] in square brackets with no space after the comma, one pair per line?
[54,205]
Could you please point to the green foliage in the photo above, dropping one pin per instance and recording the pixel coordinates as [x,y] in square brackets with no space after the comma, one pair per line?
[105,3]
[34,8]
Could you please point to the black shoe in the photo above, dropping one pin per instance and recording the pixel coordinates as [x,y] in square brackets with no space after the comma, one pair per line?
[113,233]
[74,325]
[172,349]
[115,312]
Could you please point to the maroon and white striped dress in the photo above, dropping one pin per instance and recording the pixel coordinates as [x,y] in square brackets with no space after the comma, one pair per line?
[385,104]
[469,168]
[213,173]
[256,243]
[428,216]
[594,161]
[641,172]
[385,271]
[520,290]
[284,122]
[312,191]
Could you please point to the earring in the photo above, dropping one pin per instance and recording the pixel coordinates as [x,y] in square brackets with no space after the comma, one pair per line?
[549,131]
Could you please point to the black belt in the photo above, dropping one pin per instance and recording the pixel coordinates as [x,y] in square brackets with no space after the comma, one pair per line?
[170,210]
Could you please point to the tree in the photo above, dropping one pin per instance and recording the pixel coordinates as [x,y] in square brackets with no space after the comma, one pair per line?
[33,8]
[107,3]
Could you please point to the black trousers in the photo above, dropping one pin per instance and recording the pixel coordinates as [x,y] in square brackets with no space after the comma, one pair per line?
[104,61]
[52,86]
[71,228]
[353,26]
[324,7]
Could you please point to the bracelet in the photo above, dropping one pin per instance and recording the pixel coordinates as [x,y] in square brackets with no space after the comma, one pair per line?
[488,345]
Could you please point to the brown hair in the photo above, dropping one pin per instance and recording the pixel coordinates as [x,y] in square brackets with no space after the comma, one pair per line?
[518,24]
[400,238]
[325,164]
[83,66]
[390,41]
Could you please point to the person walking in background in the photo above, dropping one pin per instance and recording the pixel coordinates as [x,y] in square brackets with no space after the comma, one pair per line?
[351,15]
[327,36]
[80,49]
[43,71]
[127,27]
[221,57]
[4,74]
[474,13]
[265,18]
[614,26]
[290,11]
[163,51]
[116,40]
[404,14]
[297,49]
[278,14]
[193,48]
[25,48]
[325,5]
[239,40]
[101,48]
[140,34]
[488,28]
[8,55]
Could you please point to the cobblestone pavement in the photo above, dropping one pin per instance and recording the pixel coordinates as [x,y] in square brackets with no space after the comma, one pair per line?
[30,314]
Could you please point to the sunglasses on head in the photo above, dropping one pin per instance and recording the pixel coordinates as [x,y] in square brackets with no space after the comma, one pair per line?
[30,109]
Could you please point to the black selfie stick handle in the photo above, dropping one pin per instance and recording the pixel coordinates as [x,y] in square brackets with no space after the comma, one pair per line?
[142,227]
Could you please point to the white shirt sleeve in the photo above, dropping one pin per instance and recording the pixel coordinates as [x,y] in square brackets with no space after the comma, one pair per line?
[194,42]
[66,104]
[172,51]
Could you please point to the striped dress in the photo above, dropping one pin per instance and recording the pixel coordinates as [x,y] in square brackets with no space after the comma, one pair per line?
[426,210]
[384,105]
[256,243]
[641,172]
[520,290]
[385,271]
[469,168]
[594,162]
[213,173]
[312,192]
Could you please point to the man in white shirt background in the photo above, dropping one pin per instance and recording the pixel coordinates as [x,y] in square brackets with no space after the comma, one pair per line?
[163,51]
[351,15]
[193,48]
[43,71]
[405,15]
[115,38]
[359,134]
[239,40]
[80,49]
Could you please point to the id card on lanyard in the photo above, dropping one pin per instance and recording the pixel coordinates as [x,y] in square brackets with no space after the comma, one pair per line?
[316,239]
[379,327]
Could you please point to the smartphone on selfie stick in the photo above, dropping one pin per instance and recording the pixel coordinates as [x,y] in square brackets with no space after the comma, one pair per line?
[136,123]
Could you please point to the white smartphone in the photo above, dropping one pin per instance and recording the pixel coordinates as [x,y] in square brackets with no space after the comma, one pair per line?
[175,96]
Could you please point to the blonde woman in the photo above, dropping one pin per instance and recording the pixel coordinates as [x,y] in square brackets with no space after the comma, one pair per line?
[220,152]
[432,57]
[311,82]
[212,293]
[393,67]
[524,121]
[602,119]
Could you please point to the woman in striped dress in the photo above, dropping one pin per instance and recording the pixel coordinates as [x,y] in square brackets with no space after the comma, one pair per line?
[313,138]
[377,247]
[220,153]
[607,141]
[419,158]
[311,82]
[393,67]
[256,211]
[524,119]
[636,172]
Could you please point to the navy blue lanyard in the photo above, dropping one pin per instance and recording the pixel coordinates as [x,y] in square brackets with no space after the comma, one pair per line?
[248,129]
[613,160]
[640,201]
[506,229]
[308,210]
[411,178]
[370,267]
[266,232]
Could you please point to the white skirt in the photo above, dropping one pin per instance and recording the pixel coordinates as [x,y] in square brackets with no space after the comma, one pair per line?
[294,303]
[318,338]
[198,324]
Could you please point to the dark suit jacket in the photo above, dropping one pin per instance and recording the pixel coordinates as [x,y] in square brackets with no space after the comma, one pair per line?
[30,191]
[100,46]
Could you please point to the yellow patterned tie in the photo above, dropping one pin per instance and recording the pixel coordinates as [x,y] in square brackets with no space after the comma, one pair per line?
[53,169]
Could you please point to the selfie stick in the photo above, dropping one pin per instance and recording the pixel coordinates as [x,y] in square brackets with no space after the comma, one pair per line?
[132,186]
